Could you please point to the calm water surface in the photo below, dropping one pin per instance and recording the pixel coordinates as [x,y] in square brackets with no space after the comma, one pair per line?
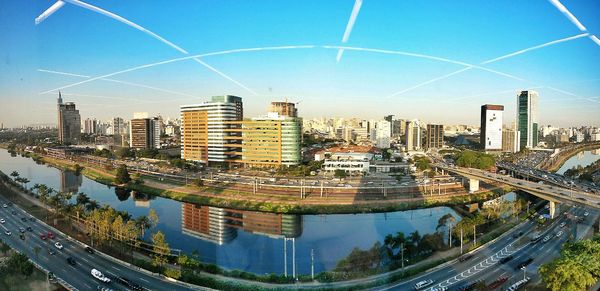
[245,240]
[581,159]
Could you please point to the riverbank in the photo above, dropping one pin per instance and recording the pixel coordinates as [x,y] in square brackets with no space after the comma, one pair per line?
[283,203]
[559,160]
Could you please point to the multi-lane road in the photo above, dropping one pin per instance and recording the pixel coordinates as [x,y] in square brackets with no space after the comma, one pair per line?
[78,276]
[485,263]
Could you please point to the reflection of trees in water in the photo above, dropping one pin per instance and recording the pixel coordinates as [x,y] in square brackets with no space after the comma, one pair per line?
[122,193]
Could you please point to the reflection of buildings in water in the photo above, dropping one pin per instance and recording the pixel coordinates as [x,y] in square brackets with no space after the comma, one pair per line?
[580,155]
[596,152]
[140,199]
[69,182]
[206,223]
[220,225]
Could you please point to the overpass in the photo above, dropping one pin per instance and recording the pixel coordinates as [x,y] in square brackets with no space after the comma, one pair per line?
[552,193]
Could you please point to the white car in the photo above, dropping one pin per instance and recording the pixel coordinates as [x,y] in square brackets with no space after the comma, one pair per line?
[558,234]
[2,220]
[58,245]
[98,275]
[423,284]
[586,213]
[562,224]
[4,205]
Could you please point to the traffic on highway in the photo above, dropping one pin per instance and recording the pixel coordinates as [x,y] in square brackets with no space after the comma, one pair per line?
[77,266]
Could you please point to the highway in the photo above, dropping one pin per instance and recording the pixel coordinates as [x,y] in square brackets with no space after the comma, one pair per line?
[485,264]
[556,192]
[78,276]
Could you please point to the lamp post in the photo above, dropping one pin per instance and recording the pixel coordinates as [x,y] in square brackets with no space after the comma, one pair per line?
[524,268]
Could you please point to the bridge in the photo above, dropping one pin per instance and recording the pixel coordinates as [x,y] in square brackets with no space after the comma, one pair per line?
[552,193]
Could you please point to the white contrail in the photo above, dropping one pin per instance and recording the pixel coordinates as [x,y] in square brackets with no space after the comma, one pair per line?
[100,96]
[349,26]
[595,39]
[568,14]
[179,60]
[430,81]
[561,91]
[119,81]
[536,47]
[154,35]
[393,52]
[57,5]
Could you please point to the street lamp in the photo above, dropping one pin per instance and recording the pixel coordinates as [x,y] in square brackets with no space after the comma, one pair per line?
[524,268]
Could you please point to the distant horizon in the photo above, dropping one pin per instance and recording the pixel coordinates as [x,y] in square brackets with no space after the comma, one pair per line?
[433,60]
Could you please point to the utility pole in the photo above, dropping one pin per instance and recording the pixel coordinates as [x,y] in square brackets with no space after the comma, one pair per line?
[294,257]
[474,236]
[285,256]
[450,234]
[461,241]
[402,252]
[312,263]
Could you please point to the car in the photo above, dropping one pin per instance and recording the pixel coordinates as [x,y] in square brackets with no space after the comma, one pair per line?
[23,219]
[21,230]
[7,232]
[465,257]
[586,213]
[29,228]
[581,198]
[50,235]
[58,245]
[523,263]
[517,234]
[423,284]
[71,261]
[10,204]
[506,259]
[98,275]
[4,205]
[14,212]
[546,239]
[2,220]
[51,251]
[558,234]
[32,218]
[22,236]
[562,224]
[89,250]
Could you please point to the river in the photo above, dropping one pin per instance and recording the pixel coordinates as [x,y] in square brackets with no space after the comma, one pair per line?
[244,240]
[580,159]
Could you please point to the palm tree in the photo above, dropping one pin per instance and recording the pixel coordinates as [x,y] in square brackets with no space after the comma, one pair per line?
[82,199]
[14,174]
[25,181]
[143,222]
[92,205]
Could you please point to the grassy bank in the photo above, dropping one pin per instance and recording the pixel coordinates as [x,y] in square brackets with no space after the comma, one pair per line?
[281,206]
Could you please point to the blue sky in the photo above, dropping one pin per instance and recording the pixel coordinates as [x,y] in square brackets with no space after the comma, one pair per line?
[362,84]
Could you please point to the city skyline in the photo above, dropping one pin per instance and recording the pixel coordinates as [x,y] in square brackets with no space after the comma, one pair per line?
[347,58]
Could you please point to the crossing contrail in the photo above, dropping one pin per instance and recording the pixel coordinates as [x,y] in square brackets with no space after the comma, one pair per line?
[573,19]
[100,96]
[494,60]
[568,14]
[428,82]
[225,52]
[119,81]
[148,32]
[536,47]
[349,26]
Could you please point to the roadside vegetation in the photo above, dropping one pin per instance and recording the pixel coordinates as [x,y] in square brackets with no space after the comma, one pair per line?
[472,159]
[577,268]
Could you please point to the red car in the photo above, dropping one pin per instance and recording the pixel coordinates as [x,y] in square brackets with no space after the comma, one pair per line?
[50,235]
[43,237]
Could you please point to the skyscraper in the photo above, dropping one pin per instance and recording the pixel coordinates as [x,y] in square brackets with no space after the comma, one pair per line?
[491,127]
[69,122]
[527,118]
[144,132]
[206,134]
[413,135]
[435,136]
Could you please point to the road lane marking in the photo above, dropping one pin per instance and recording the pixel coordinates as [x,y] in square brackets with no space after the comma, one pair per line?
[144,280]
[115,268]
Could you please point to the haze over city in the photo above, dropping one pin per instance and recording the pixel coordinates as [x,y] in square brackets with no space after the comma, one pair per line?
[438,61]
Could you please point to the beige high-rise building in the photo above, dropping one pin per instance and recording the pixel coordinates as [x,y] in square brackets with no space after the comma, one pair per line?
[435,136]
[413,135]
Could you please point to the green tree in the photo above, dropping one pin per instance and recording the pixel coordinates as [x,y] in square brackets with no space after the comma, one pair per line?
[340,174]
[161,249]
[577,268]
[199,182]
[20,262]
[122,176]
[153,217]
